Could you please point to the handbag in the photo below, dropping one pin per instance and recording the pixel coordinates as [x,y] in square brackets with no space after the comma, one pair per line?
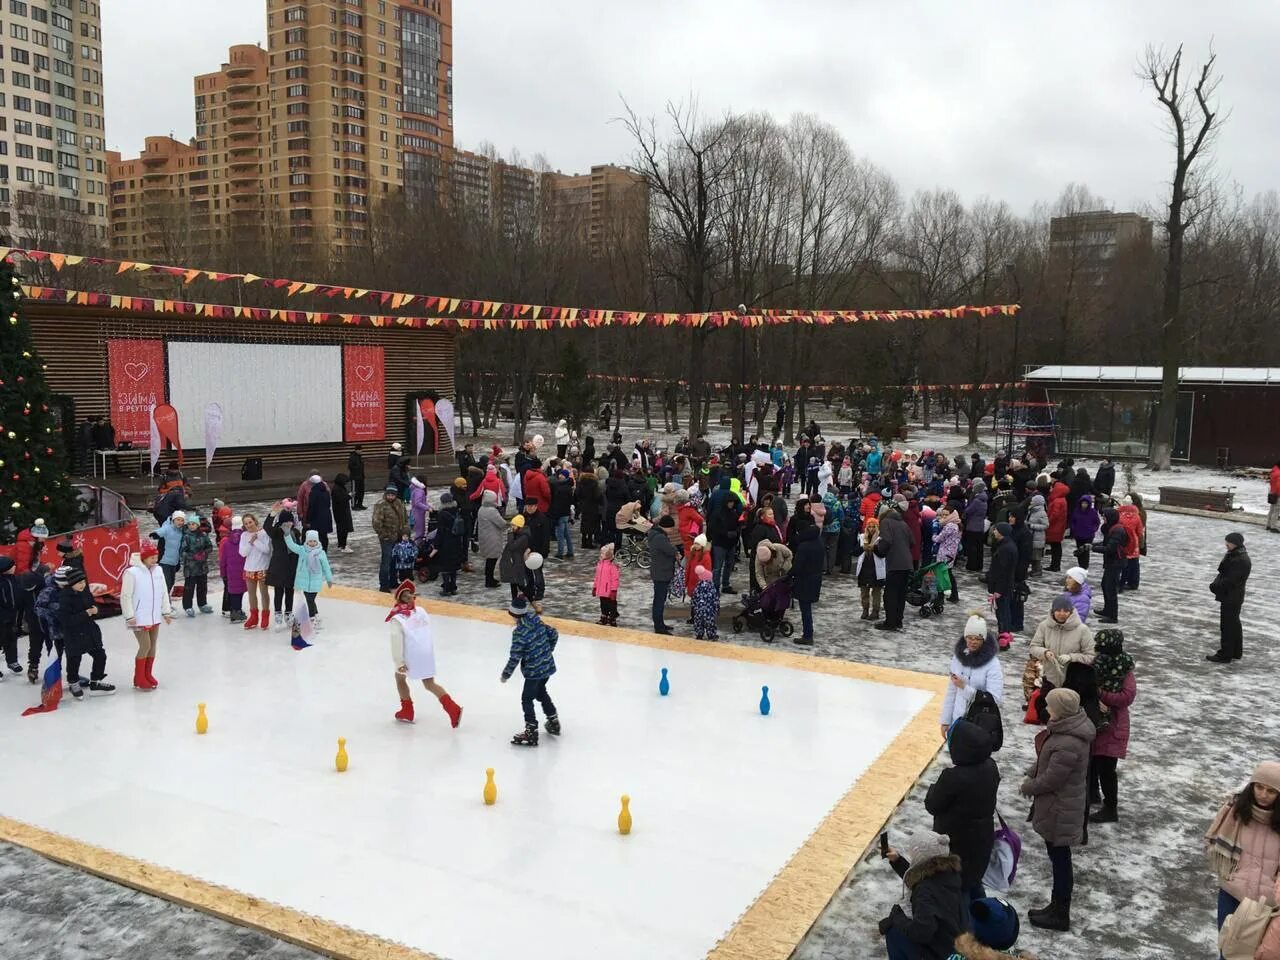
[1005,854]
[1243,930]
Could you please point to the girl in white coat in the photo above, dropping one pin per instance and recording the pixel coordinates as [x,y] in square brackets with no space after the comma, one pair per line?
[144,601]
[414,654]
[255,547]
[974,667]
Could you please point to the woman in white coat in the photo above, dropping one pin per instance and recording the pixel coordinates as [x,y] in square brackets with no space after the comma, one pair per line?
[144,601]
[414,653]
[255,547]
[974,667]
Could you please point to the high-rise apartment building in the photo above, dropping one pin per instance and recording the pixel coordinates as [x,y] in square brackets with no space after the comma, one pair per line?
[1087,244]
[605,208]
[53,164]
[361,106]
[493,190]
[150,200]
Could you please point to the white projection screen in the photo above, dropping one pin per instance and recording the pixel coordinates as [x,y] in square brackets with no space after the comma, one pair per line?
[271,393]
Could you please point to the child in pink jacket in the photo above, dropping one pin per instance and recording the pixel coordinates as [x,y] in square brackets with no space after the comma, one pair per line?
[608,576]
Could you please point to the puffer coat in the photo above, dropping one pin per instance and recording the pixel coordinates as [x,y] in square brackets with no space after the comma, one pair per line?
[1058,781]
[491,529]
[1071,642]
[1113,740]
[963,800]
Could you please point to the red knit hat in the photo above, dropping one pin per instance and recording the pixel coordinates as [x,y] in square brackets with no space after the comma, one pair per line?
[148,548]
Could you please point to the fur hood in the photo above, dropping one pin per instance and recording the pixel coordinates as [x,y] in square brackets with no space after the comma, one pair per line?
[986,653]
[968,947]
[931,868]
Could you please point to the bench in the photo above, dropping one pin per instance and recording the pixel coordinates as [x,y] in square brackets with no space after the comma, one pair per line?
[1216,501]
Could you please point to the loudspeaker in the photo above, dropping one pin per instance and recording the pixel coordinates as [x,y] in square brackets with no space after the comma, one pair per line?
[252,469]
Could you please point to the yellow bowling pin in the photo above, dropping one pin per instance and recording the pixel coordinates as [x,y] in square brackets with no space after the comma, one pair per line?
[340,761]
[202,722]
[490,788]
[624,817]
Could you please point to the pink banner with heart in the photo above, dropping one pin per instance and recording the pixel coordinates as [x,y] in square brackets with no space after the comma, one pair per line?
[364,394]
[135,371]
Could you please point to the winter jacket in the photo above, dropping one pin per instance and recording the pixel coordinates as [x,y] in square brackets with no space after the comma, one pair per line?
[451,540]
[1233,573]
[305,579]
[979,671]
[1256,874]
[1057,781]
[255,548]
[536,488]
[1113,739]
[662,555]
[419,506]
[490,481]
[80,632]
[894,543]
[696,557]
[1269,948]
[778,565]
[1114,543]
[975,513]
[1085,521]
[939,906]
[230,563]
[561,503]
[808,566]
[355,465]
[532,646]
[1023,540]
[911,517]
[1104,480]
[1002,570]
[319,508]
[588,499]
[1082,601]
[46,607]
[946,542]
[873,462]
[1071,642]
[511,567]
[144,594]
[835,514]
[491,528]
[196,553]
[1038,524]
[538,529]
[723,525]
[607,579]
[963,799]
[1131,520]
[283,568]
[170,539]
[1057,511]
[342,520]
[390,520]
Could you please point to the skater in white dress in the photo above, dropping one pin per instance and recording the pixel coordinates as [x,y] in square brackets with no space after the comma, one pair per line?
[414,654]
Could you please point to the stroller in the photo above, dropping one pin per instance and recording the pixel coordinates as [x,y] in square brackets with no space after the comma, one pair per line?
[766,611]
[928,587]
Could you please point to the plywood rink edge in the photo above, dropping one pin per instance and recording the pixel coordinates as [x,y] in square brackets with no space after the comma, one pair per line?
[769,929]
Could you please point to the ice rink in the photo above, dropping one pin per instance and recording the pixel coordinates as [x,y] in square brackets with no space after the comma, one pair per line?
[401,846]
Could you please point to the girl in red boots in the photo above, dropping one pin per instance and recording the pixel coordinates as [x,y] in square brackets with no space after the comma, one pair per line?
[414,654]
[255,548]
[144,601]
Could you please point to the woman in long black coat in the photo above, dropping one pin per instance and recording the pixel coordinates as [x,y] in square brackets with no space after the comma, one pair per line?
[806,572]
[450,544]
[320,512]
[963,802]
[342,521]
[284,562]
[587,499]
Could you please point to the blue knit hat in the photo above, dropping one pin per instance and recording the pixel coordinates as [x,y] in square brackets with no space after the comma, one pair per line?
[519,606]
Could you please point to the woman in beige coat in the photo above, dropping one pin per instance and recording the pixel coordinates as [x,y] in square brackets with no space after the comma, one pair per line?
[1061,639]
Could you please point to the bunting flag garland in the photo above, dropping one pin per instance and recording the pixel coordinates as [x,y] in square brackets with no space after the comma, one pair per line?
[914,388]
[501,315]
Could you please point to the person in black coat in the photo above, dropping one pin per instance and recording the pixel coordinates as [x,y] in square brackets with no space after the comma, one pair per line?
[1114,540]
[320,511]
[82,636]
[283,566]
[806,571]
[1228,589]
[1001,575]
[724,530]
[1105,479]
[963,802]
[1080,486]
[538,527]
[466,459]
[342,522]
[1024,540]
[398,477]
[355,470]
[939,907]
[560,513]
[587,500]
[449,548]
[616,494]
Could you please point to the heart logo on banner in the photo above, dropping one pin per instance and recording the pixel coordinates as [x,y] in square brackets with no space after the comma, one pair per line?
[114,560]
[365,372]
[136,371]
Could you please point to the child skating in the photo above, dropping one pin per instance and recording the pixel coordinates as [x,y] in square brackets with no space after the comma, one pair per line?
[80,633]
[532,646]
[706,606]
[605,586]
[414,654]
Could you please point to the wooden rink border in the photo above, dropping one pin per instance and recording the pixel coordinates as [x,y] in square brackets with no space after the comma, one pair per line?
[769,929]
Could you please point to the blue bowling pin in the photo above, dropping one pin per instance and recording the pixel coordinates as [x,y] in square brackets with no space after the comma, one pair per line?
[664,686]
[764,701]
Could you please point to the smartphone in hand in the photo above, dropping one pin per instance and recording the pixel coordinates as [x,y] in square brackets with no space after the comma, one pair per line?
[884,844]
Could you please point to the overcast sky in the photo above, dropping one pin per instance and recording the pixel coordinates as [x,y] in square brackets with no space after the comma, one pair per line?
[1008,99]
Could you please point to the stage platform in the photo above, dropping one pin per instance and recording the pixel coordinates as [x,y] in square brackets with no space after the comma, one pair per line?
[744,825]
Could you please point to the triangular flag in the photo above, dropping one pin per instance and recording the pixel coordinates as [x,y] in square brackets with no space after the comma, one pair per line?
[294,288]
[251,277]
[190,275]
[57,259]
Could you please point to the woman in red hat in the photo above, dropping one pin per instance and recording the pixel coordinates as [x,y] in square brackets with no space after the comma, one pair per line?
[144,601]
[414,654]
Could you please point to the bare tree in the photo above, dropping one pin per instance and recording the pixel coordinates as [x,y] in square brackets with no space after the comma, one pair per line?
[1194,121]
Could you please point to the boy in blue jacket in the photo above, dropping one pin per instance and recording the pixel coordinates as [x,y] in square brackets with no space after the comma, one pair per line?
[532,645]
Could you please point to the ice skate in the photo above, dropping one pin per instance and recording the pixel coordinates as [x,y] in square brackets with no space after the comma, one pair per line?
[189,612]
[252,622]
[76,690]
[553,726]
[100,688]
[206,609]
[528,737]
[15,666]
[405,713]
[33,674]
[452,709]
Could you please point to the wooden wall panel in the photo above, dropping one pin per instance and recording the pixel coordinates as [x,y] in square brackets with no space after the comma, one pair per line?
[73,341]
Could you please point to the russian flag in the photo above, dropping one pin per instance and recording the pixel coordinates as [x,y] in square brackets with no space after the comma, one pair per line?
[51,691]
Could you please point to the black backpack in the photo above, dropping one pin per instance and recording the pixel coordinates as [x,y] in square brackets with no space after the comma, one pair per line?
[985,712]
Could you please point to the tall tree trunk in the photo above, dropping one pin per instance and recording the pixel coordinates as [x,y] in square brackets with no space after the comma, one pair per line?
[925,424]
[697,351]
[648,413]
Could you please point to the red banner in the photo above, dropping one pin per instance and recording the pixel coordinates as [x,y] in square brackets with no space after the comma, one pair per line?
[107,550]
[135,371]
[167,425]
[364,391]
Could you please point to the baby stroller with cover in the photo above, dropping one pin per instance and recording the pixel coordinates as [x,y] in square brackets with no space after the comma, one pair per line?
[766,611]
[928,587]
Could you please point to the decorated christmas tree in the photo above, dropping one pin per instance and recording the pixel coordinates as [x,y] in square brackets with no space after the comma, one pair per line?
[33,477]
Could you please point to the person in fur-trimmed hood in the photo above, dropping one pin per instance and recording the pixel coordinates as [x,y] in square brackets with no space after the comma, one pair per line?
[939,907]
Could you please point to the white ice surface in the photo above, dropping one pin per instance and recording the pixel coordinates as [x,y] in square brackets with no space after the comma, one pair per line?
[401,845]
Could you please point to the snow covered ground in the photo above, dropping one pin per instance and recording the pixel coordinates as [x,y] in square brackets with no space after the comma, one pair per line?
[1142,889]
